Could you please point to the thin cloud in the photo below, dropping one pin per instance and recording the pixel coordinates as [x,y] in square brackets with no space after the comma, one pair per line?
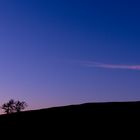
[111,66]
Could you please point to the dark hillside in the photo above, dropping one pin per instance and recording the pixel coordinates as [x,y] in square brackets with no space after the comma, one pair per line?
[90,116]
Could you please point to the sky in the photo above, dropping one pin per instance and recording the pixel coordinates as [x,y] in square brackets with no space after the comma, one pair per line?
[61,52]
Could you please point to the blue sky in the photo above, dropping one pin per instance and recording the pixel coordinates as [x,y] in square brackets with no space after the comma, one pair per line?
[46,46]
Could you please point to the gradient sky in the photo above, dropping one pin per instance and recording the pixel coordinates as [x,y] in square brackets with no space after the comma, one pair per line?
[60,52]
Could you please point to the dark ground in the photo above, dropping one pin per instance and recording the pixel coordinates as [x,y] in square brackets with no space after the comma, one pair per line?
[91,117]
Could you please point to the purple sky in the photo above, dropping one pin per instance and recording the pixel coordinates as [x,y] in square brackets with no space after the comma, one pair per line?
[59,52]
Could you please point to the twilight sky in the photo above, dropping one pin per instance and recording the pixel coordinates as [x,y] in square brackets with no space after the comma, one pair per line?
[59,52]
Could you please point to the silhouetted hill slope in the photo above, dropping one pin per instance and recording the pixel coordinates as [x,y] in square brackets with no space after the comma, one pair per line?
[88,116]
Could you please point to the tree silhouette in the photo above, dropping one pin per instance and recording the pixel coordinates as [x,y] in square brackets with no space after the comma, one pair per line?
[19,106]
[13,106]
[8,107]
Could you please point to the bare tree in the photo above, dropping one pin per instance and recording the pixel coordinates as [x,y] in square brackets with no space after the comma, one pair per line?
[20,106]
[13,106]
[8,107]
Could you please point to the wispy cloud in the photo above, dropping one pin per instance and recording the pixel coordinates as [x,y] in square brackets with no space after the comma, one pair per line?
[110,66]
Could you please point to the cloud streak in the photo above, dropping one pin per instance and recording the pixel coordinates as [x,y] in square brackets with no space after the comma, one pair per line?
[111,66]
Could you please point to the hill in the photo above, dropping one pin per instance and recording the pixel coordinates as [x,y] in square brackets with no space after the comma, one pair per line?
[89,116]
